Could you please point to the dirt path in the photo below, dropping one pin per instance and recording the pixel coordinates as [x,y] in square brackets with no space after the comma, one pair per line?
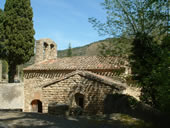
[37,120]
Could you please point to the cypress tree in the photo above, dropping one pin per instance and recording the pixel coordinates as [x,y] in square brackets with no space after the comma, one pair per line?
[69,52]
[1,21]
[18,34]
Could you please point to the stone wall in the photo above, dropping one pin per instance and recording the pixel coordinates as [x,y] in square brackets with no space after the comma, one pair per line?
[63,92]
[93,91]
[11,96]
[31,93]
[32,86]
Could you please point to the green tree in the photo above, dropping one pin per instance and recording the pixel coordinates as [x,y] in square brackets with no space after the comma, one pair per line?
[146,22]
[1,21]
[146,55]
[18,34]
[128,17]
[120,47]
[160,76]
[69,51]
[150,67]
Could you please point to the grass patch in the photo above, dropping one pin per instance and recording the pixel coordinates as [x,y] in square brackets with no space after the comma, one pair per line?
[120,120]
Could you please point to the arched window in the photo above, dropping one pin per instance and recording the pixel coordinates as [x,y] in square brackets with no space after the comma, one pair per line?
[79,98]
[51,46]
[36,106]
[45,46]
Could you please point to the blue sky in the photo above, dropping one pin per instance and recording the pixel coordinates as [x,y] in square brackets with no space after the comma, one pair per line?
[66,21]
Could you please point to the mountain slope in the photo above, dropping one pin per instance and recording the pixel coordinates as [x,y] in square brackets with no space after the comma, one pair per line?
[110,46]
[87,50]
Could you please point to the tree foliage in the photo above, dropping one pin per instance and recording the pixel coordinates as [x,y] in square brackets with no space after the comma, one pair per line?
[145,60]
[18,34]
[161,74]
[1,21]
[146,22]
[129,17]
[126,18]
[120,47]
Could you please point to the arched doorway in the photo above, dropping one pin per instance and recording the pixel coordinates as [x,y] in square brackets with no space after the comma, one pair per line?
[79,98]
[36,106]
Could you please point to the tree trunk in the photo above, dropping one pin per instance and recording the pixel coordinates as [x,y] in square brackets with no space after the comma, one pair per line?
[11,73]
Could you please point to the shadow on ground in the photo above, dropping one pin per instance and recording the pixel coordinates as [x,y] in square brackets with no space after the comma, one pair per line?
[37,120]
[130,108]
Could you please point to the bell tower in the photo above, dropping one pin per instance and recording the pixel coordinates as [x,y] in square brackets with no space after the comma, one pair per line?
[45,49]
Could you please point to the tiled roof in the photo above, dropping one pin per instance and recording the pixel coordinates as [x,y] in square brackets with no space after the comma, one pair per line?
[103,79]
[77,63]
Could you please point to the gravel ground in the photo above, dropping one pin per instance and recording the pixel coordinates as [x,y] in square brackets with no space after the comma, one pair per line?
[38,120]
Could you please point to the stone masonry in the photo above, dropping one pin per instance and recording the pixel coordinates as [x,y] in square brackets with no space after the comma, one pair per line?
[64,92]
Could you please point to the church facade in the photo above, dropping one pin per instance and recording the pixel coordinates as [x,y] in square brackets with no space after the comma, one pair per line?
[83,81]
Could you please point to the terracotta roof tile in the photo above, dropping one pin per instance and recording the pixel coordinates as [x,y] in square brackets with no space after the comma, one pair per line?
[77,63]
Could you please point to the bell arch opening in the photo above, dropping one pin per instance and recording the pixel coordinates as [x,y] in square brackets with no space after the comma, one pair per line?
[45,50]
[79,98]
[36,106]
[51,46]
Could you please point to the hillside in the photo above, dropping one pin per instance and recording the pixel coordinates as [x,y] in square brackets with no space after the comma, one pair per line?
[110,46]
[87,50]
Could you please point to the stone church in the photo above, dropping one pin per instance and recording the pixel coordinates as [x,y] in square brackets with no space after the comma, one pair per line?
[83,81]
